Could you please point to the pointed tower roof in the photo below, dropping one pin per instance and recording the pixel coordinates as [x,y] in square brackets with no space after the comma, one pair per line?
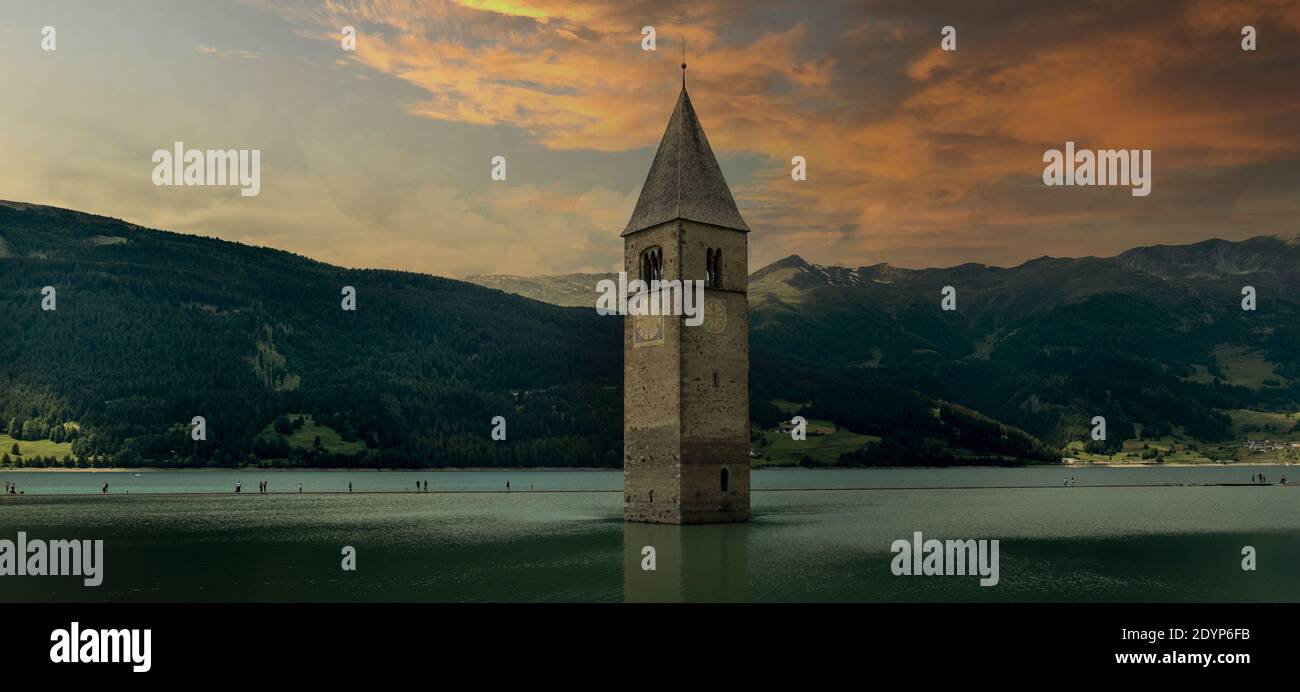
[685,181]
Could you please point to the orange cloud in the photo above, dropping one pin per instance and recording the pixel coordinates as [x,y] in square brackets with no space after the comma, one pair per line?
[908,146]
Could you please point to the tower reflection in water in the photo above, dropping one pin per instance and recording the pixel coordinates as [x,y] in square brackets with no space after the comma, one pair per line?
[693,563]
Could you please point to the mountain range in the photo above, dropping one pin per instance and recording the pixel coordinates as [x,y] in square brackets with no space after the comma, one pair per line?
[152,328]
[1154,339]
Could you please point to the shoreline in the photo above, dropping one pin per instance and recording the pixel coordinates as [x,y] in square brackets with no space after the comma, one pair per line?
[1180,464]
[572,469]
[259,469]
[608,491]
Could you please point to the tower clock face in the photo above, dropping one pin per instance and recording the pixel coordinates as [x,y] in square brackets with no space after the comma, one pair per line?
[715,316]
[647,329]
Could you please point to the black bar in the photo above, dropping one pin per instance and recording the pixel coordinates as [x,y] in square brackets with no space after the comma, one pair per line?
[287,641]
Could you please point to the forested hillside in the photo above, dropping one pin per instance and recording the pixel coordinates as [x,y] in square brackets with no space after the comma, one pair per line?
[1147,340]
[1155,340]
[153,328]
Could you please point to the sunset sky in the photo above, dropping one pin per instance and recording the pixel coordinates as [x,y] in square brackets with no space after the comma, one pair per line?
[916,156]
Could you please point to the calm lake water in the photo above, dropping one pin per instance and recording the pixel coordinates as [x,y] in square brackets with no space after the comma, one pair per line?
[815,536]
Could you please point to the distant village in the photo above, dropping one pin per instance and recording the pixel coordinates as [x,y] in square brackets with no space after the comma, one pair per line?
[1258,446]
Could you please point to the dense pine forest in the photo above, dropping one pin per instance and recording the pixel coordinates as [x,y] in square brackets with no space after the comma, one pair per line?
[150,329]
[1156,340]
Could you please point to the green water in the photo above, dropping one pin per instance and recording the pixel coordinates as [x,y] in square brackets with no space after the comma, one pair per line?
[826,540]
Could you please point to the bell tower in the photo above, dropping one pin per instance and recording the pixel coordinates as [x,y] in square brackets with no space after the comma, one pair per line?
[686,388]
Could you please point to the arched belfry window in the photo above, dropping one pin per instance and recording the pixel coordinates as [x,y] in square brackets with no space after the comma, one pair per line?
[725,479]
[652,264]
[713,268]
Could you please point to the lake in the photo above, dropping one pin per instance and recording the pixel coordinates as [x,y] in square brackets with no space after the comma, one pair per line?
[1119,534]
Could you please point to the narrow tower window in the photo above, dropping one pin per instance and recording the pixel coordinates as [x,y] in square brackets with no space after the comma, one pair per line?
[713,268]
[725,479]
[652,264]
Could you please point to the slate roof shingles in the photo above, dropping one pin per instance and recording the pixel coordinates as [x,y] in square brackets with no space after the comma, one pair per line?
[685,181]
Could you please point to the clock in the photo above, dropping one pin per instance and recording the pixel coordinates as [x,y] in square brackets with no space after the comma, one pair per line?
[647,329]
[715,316]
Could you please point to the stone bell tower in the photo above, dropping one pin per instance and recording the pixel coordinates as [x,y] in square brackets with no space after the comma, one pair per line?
[686,388]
